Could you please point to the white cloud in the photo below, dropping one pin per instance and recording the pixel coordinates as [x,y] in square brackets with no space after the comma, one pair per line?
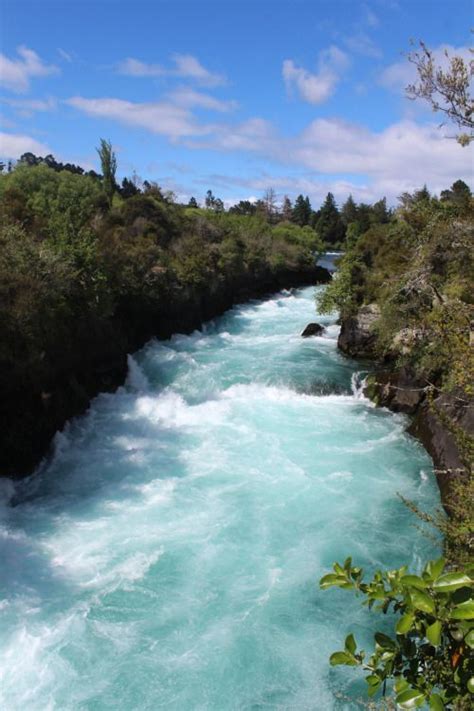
[190,98]
[399,74]
[159,117]
[27,107]
[361,43]
[316,88]
[13,145]
[401,157]
[15,74]
[185,65]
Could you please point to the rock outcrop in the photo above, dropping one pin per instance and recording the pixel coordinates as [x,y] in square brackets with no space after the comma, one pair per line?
[441,421]
[357,337]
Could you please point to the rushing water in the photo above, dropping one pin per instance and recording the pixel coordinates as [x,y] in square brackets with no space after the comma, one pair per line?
[167,557]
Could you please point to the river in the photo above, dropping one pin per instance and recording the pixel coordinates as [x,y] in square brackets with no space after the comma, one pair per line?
[167,556]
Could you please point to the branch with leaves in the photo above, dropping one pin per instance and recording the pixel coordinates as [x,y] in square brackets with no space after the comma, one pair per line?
[430,657]
[447,90]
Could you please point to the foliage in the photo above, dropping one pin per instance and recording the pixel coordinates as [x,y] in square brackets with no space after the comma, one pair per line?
[108,162]
[329,224]
[419,268]
[429,657]
[446,90]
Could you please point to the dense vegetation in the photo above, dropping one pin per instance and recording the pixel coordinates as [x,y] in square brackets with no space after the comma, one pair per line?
[419,269]
[89,270]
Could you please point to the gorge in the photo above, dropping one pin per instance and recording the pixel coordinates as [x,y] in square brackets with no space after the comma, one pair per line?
[169,550]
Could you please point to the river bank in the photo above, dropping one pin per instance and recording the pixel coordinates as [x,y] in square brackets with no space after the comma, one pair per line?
[37,402]
[441,421]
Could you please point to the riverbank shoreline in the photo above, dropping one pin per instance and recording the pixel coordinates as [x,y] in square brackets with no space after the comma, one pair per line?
[440,421]
[32,412]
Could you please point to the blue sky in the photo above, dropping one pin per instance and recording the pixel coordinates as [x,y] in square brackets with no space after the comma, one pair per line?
[233,96]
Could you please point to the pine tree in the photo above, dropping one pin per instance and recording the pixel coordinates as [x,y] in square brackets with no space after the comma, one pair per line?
[287,209]
[329,225]
[349,211]
[302,211]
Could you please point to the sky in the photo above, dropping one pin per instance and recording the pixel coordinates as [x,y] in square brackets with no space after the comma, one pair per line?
[234,96]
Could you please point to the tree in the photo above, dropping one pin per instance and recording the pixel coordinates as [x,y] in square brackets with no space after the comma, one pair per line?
[269,199]
[380,214]
[128,189]
[459,194]
[430,656]
[193,202]
[108,162]
[349,211]
[209,200]
[329,225]
[244,207]
[302,211]
[287,209]
[446,90]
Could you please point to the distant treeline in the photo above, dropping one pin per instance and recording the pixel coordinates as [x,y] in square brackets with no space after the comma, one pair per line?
[332,224]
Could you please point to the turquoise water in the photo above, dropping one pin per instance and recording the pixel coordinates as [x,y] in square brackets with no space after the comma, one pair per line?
[167,557]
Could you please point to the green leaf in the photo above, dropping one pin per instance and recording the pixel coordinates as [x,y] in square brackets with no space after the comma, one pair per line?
[463,611]
[374,683]
[350,644]
[422,601]
[433,633]
[434,568]
[400,684]
[384,641]
[342,658]
[436,702]
[452,581]
[410,699]
[470,639]
[331,579]
[405,623]
[414,581]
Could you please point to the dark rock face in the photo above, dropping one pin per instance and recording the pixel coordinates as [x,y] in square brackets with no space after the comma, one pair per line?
[38,399]
[357,337]
[313,329]
[437,425]
[440,423]
[400,390]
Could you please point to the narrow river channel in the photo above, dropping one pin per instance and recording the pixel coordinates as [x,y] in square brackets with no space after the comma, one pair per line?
[167,556]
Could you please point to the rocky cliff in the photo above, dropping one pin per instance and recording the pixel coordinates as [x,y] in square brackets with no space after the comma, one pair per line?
[37,400]
[441,421]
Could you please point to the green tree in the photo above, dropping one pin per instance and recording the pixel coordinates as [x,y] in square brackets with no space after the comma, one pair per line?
[349,211]
[193,202]
[287,209]
[108,163]
[302,211]
[459,194]
[380,213]
[329,225]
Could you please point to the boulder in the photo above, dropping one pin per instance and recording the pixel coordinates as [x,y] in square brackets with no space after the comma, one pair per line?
[313,329]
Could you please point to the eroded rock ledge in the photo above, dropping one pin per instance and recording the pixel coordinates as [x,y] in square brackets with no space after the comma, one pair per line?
[441,421]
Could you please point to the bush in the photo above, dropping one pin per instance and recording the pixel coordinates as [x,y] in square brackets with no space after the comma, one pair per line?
[429,657]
